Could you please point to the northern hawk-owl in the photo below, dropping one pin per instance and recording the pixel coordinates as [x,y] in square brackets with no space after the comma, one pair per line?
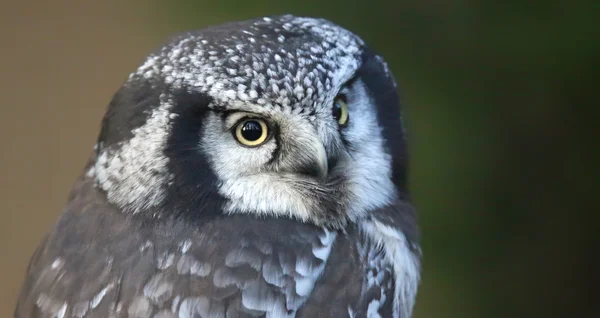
[251,169]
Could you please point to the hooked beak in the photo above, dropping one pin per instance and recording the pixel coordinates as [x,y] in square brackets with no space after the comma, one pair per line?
[320,159]
[305,154]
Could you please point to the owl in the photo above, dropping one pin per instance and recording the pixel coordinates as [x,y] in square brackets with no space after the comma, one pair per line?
[251,169]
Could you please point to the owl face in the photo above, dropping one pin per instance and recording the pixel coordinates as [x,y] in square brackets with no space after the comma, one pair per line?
[284,117]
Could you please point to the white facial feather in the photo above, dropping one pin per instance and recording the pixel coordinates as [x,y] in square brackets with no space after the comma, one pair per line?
[134,173]
[246,182]
[369,166]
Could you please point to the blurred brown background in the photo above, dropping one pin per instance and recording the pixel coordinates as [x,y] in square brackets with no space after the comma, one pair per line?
[60,63]
[500,98]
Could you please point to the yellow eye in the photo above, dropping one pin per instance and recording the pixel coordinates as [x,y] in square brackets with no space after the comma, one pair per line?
[340,111]
[251,132]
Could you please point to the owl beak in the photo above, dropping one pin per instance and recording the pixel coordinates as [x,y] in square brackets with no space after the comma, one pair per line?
[321,158]
[303,153]
[311,158]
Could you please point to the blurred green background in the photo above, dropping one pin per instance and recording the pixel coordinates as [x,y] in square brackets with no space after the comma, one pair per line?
[501,102]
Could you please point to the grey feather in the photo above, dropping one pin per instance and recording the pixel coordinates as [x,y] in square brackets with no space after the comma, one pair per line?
[99,262]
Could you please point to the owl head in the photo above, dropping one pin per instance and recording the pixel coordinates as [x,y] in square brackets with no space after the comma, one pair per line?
[276,117]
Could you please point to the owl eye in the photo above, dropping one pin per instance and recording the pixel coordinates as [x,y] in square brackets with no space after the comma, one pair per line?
[340,111]
[251,132]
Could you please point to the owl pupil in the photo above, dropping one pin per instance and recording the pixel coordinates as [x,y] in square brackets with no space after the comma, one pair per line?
[251,130]
[337,111]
